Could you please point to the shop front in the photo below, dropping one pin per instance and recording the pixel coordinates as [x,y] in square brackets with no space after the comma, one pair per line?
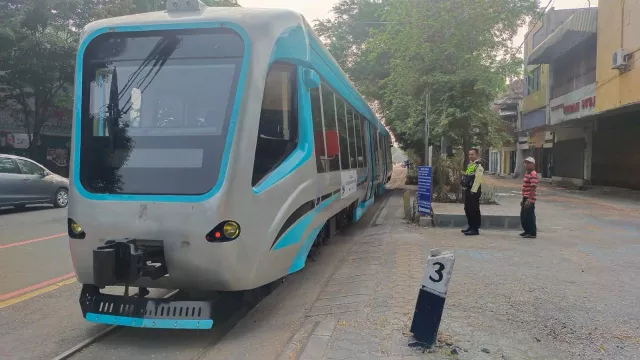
[53,144]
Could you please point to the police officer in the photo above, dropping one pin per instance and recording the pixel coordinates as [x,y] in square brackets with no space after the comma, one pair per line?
[471,181]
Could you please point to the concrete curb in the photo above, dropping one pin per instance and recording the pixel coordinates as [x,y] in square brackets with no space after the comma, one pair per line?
[488,221]
[318,343]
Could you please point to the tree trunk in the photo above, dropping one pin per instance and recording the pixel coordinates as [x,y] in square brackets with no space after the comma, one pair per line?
[40,117]
[465,149]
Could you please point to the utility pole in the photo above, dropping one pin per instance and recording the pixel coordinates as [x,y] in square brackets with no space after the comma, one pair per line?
[426,130]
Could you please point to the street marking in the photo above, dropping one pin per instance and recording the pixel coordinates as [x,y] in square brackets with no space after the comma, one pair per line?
[32,241]
[36,286]
[41,291]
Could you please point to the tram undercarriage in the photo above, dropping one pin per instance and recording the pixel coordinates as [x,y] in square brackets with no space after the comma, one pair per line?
[123,262]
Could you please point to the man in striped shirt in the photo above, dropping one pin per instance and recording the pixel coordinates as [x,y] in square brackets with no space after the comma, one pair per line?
[528,205]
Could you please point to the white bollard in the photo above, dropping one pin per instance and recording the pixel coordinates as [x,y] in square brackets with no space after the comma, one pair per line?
[432,296]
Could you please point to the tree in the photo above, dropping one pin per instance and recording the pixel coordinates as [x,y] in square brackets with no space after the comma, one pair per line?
[38,44]
[459,51]
[346,33]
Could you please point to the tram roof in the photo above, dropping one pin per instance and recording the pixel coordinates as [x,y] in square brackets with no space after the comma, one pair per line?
[247,18]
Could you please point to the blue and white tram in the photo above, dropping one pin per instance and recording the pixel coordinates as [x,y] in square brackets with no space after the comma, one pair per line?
[173,110]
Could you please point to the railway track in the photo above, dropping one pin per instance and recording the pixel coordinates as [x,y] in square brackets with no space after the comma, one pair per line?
[88,342]
[229,308]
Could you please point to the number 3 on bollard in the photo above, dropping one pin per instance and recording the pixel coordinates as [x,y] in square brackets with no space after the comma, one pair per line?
[437,272]
[438,267]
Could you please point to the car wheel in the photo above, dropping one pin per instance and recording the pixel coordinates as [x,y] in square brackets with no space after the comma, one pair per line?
[61,199]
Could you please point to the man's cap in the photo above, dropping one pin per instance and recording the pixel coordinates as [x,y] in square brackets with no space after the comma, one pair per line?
[531,160]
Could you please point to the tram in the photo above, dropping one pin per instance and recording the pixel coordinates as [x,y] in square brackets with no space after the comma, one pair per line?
[211,148]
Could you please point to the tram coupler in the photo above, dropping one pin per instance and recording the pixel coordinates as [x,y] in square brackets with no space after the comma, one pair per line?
[127,260]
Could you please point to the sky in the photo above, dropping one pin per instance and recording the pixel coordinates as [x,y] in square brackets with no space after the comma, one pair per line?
[313,9]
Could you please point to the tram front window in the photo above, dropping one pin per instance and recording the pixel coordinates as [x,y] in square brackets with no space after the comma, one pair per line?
[156,108]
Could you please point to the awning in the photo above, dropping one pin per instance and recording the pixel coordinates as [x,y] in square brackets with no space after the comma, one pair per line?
[577,28]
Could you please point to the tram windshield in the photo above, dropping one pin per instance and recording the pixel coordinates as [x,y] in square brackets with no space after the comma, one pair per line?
[156,108]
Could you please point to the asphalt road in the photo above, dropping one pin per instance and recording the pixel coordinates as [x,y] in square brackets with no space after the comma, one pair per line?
[38,292]
[584,240]
[40,317]
[33,247]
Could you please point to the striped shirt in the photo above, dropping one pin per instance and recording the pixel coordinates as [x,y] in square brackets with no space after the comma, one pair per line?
[529,186]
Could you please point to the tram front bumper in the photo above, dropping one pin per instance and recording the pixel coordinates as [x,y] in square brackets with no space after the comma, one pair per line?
[135,311]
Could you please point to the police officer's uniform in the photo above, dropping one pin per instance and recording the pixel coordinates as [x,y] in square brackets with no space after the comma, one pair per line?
[471,181]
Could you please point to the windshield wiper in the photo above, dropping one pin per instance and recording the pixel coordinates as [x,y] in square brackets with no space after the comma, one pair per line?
[159,55]
[113,108]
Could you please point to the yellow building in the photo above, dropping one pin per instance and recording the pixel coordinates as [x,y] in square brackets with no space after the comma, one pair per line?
[536,76]
[535,103]
[616,149]
[537,81]
[618,29]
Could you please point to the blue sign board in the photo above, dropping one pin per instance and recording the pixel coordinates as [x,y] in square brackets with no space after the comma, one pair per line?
[424,190]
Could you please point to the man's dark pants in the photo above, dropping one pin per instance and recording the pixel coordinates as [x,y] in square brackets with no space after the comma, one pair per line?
[528,218]
[472,208]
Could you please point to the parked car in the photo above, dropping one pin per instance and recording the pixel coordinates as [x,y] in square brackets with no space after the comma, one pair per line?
[25,182]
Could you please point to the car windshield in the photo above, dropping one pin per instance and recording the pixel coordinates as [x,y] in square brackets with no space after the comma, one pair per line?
[156,108]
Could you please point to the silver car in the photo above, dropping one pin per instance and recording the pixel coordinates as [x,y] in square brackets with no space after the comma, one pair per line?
[25,182]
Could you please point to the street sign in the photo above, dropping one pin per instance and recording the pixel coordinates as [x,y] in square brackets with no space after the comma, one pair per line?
[424,190]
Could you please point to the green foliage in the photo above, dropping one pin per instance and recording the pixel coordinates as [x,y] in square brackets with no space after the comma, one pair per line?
[38,44]
[458,50]
[412,176]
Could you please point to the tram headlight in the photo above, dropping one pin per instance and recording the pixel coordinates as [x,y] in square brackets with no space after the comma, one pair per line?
[231,229]
[225,231]
[75,230]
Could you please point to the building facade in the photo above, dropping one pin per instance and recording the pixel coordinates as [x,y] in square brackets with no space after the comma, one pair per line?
[503,160]
[54,139]
[534,137]
[591,121]
[570,53]
[616,145]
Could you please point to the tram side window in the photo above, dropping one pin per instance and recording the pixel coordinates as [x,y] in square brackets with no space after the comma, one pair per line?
[385,151]
[318,131]
[360,130]
[374,143]
[278,128]
[353,158]
[378,148]
[363,127]
[357,124]
[389,154]
[343,132]
[330,130]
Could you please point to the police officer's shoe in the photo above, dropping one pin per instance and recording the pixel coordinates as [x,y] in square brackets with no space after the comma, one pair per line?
[472,232]
[465,230]
[524,234]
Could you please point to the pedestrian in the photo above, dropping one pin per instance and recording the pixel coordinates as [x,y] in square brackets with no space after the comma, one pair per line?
[471,181]
[528,204]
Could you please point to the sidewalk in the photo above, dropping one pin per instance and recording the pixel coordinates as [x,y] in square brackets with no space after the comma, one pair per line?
[365,311]
[509,298]
[618,197]
[572,293]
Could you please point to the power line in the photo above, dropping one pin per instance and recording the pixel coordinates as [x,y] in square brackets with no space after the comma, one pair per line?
[544,12]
